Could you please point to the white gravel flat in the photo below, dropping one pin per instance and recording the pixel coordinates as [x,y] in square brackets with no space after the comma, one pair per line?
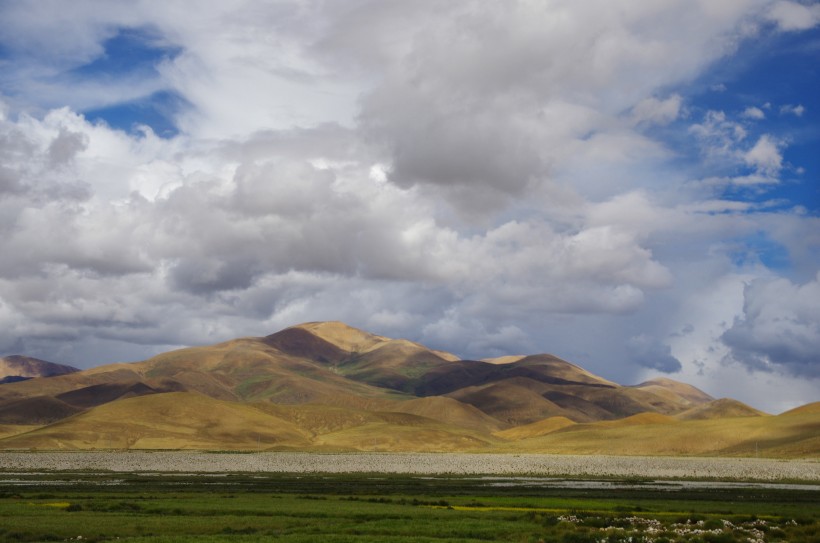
[418,463]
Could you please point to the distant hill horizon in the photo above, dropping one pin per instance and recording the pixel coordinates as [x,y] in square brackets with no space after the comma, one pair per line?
[18,367]
[326,386]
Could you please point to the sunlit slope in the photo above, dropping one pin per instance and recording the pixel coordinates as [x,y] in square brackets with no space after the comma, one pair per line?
[535,429]
[720,409]
[181,420]
[787,435]
[681,394]
[8,430]
[187,420]
[448,411]
[404,432]
[807,409]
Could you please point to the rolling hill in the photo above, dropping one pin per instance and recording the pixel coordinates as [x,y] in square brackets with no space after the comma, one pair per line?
[20,368]
[328,386]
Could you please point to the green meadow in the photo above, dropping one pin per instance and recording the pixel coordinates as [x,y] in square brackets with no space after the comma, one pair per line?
[391,508]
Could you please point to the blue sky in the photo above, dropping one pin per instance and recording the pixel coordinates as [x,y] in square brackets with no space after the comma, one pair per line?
[632,186]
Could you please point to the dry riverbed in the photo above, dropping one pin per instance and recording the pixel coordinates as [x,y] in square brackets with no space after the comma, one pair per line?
[418,463]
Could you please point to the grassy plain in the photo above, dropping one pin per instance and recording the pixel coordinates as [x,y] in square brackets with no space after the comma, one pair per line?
[245,507]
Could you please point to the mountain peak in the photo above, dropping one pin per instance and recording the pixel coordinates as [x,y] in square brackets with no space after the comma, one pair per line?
[28,367]
[342,335]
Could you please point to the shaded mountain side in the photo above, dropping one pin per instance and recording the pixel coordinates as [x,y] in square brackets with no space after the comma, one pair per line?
[36,410]
[58,384]
[398,365]
[522,400]
[583,409]
[95,395]
[301,343]
[19,366]
[514,402]
[14,379]
[544,368]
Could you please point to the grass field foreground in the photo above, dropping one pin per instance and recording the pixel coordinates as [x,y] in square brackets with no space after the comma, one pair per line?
[393,508]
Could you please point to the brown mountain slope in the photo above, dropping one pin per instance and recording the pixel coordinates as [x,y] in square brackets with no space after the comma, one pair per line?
[809,408]
[17,367]
[523,400]
[513,401]
[357,341]
[682,395]
[53,386]
[342,336]
[244,369]
[397,365]
[544,368]
[186,420]
[448,411]
[404,435]
[720,409]
[782,436]
[36,410]
[178,420]
[535,429]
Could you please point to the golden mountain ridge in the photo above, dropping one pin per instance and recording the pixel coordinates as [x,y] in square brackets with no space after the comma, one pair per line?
[331,387]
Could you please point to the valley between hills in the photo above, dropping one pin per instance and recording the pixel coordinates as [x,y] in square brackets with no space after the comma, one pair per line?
[328,387]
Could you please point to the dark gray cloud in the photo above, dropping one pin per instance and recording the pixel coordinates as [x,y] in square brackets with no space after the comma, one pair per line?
[779,329]
[651,353]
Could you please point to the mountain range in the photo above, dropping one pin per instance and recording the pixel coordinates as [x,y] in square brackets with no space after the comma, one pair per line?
[326,386]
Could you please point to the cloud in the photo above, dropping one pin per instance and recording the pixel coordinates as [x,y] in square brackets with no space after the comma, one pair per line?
[726,141]
[765,156]
[793,16]
[797,110]
[650,353]
[483,178]
[658,111]
[483,115]
[754,113]
[779,327]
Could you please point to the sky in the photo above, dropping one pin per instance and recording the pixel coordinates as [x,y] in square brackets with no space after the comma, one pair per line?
[631,185]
